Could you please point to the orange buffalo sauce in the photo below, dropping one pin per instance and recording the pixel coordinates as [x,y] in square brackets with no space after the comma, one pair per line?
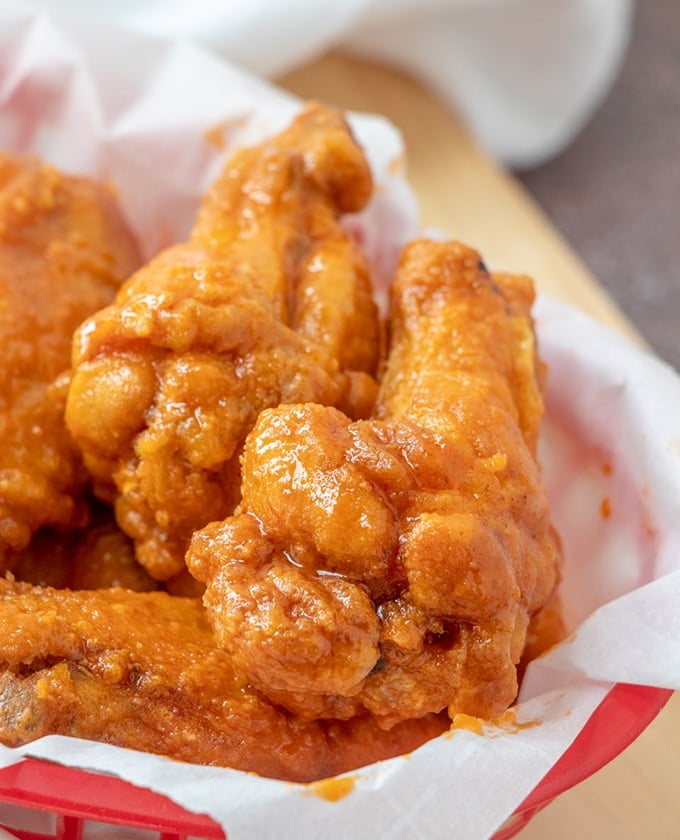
[333,790]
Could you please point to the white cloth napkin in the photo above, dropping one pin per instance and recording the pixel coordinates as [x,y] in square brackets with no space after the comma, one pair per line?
[525,74]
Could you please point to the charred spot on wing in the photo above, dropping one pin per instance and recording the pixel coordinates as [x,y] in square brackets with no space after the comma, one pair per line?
[483,268]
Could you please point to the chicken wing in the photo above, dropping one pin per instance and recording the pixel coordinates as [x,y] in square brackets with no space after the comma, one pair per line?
[64,250]
[268,302]
[142,670]
[392,565]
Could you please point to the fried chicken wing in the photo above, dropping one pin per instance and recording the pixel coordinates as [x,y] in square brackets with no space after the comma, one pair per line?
[392,565]
[64,250]
[268,302]
[143,671]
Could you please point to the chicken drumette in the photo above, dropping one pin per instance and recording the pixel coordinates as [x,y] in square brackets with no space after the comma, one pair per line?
[268,302]
[392,565]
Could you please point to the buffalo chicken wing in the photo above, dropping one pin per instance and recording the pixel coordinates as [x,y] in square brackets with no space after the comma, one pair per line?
[64,250]
[392,565]
[268,302]
[142,670]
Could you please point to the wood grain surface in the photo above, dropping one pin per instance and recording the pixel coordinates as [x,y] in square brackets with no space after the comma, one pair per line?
[470,198]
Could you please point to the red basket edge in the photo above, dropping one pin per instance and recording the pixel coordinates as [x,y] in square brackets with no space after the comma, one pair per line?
[44,786]
[628,709]
[40,785]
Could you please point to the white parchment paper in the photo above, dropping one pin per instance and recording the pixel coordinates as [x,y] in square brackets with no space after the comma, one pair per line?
[158,120]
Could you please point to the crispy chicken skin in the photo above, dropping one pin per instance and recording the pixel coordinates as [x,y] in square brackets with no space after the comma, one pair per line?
[64,250]
[268,302]
[392,565]
[142,670]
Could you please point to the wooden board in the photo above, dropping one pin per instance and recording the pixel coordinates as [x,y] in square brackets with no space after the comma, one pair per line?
[465,194]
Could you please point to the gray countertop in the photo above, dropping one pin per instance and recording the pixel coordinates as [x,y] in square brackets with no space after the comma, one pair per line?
[615,193]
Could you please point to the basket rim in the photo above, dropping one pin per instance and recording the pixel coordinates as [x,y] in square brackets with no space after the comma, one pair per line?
[37,784]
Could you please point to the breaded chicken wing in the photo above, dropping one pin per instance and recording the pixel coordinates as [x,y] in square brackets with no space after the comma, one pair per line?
[64,250]
[268,302]
[392,565]
[142,670]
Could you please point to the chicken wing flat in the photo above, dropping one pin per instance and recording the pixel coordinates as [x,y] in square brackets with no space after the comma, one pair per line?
[142,670]
[64,250]
[268,302]
[392,565]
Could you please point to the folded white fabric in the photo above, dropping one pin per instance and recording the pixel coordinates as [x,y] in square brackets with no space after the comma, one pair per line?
[525,74]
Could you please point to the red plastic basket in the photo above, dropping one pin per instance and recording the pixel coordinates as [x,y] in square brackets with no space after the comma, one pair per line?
[75,796]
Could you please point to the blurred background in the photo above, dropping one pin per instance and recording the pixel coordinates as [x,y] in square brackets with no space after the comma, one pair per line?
[615,192]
